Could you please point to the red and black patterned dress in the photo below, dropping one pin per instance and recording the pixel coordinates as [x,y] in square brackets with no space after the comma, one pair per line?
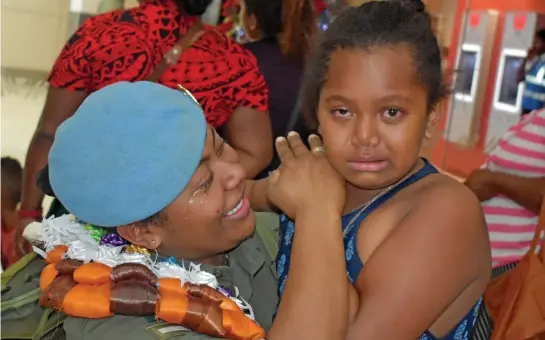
[127,45]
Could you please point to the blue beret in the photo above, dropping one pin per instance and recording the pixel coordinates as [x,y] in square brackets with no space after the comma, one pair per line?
[127,153]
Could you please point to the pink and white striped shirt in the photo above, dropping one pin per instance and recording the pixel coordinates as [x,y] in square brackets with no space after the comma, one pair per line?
[520,152]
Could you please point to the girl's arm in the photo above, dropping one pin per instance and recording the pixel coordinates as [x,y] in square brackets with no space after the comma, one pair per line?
[312,307]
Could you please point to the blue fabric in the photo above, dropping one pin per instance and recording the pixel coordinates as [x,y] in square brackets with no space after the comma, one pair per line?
[127,153]
[353,262]
[534,85]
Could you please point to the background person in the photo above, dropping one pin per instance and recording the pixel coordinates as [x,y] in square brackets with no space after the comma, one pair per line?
[511,187]
[532,72]
[280,33]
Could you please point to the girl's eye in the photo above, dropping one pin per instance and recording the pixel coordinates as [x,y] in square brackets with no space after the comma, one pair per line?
[392,113]
[342,112]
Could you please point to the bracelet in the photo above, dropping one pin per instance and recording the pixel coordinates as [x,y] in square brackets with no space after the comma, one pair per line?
[35,214]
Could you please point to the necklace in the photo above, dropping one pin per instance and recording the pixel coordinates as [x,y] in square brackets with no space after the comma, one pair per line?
[352,222]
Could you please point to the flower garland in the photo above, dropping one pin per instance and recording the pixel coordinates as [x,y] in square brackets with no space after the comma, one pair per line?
[89,243]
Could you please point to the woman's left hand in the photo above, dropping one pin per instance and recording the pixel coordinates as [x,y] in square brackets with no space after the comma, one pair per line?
[305,181]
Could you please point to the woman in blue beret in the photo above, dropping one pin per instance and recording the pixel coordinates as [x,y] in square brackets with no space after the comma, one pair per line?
[161,208]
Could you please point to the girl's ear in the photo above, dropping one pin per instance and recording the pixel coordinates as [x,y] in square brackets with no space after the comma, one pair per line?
[433,119]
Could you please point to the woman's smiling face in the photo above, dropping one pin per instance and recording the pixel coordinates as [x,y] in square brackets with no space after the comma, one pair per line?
[212,215]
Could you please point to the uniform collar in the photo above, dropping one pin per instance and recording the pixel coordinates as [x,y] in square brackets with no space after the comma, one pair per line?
[247,256]
[244,262]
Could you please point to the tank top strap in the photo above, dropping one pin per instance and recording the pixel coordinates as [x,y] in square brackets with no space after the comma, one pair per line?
[427,169]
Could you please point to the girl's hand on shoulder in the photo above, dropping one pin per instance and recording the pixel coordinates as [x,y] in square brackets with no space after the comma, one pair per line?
[305,181]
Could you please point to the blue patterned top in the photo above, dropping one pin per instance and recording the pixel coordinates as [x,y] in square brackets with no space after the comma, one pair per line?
[463,329]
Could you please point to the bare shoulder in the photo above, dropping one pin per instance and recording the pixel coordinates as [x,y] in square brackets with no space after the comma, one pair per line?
[436,209]
[444,205]
[445,190]
[446,194]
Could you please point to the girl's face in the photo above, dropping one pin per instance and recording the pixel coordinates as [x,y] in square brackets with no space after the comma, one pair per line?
[373,115]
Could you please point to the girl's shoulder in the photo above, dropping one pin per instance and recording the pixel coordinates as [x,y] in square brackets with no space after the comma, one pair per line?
[436,189]
[437,202]
[442,190]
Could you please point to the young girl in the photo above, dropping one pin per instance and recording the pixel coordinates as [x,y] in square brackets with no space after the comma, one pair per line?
[413,242]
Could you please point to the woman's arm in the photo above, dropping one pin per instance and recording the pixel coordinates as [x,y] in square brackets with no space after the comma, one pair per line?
[527,192]
[248,129]
[437,251]
[69,80]
[60,104]
[249,132]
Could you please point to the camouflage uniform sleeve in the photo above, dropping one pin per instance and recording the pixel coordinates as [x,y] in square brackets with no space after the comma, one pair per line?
[126,327]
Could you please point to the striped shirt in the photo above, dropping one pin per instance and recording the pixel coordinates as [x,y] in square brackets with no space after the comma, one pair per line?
[521,152]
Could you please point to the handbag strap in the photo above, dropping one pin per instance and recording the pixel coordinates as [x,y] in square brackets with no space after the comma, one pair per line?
[194,33]
[540,229]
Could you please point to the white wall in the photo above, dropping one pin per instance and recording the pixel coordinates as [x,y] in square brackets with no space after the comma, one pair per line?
[21,105]
[33,32]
